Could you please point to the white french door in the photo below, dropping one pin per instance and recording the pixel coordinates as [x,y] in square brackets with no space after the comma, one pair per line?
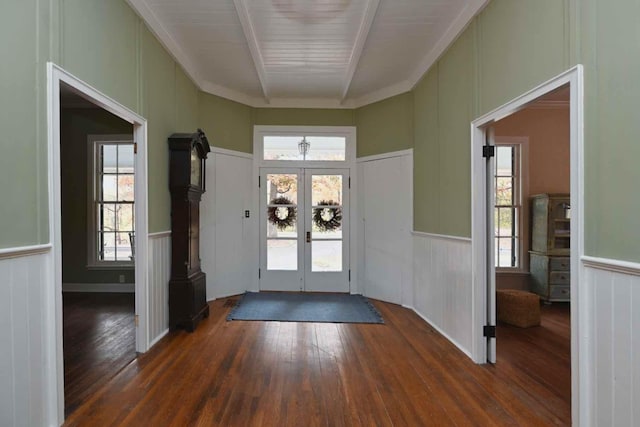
[304,229]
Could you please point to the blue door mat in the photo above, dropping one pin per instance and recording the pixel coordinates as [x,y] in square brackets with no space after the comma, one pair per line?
[305,307]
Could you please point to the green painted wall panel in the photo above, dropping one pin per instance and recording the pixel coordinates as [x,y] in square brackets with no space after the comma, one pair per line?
[521,44]
[385,126]
[456,97]
[75,126]
[186,102]
[158,71]
[612,127]
[24,209]
[426,153]
[100,46]
[228,124]
[304,117]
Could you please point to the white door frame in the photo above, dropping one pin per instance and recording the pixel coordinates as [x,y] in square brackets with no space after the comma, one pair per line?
[53,346]
[259,131]
[480,269]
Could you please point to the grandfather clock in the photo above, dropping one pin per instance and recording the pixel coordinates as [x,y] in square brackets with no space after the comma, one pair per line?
[187,287]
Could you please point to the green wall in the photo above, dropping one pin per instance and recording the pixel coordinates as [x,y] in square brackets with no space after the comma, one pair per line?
[609,49]
[509,48]
[385,126]
[228,124]
[75,125]
[23,155]
[304,117]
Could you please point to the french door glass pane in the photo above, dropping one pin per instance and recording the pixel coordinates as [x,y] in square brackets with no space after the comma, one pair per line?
[282,254]
[326,188]
[282,186]
[326,255]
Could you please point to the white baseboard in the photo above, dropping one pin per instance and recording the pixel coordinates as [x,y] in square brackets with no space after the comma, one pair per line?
[99,287]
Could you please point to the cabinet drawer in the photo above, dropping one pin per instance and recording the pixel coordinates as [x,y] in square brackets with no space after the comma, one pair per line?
[559,278]
[559,264]
[559,293]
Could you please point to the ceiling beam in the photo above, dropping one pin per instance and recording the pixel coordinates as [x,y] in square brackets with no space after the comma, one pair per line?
[254,47]
[358,46]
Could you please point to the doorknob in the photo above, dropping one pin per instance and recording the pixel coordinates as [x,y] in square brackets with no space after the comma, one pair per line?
[308,237]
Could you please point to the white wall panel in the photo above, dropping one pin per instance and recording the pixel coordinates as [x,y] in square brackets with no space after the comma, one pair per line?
[226,235]
[385,204]
[22,335]
[159,275]
[615,345]
[442,285]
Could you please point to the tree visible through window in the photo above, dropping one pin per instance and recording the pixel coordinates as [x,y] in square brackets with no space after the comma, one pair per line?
[113,202]
[507,206]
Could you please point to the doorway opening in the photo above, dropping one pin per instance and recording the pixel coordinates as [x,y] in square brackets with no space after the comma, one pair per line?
[503,233]
[98,226]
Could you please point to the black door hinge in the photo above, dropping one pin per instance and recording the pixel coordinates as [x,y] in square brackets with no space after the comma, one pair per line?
[258,182]
[488,151]
[349,275]
[349,182]
[259,273]
[489,331]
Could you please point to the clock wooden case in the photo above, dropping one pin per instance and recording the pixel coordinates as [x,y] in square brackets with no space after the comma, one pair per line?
[187,287]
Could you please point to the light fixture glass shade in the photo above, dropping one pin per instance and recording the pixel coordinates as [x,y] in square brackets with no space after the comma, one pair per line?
[303,146]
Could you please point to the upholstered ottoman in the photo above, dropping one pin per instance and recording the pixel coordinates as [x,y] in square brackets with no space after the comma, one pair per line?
[518,308]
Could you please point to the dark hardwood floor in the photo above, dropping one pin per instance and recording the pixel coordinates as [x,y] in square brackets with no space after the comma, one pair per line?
[540,355]
[98,341]
[402,373]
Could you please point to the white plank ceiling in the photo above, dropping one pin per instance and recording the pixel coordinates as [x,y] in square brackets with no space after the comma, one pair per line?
[306,53]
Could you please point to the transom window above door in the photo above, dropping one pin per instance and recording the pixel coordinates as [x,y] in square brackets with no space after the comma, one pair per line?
[304,146]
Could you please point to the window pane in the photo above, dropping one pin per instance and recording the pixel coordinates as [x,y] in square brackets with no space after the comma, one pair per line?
[282,185]
[282,255]
[326,148]
[125,158]
[125,188]
[504,160]
[109,188]
[326,256]
[107,220]
[109,158]
[282,147]
[505,222]
[123,247]
[326,188]
[125,217]
[504,252]
[108,246]
[504,191]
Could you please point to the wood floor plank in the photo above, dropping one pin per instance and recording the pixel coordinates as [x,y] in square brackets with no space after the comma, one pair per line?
[316,374]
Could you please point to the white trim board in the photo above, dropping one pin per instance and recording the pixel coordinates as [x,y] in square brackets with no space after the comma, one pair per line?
[389,155]
[440,236]
[613,265]
[54,363]
[481,270]
[159,234]
[22,251]
[128,288]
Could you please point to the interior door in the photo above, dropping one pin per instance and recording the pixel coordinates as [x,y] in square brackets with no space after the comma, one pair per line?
[326,217]
[281,225]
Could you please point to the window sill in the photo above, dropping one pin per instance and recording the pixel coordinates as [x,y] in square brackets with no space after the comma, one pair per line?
[512,271]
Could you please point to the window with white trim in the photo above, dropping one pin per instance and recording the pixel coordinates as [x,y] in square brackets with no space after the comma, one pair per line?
[112,202]
[508,206]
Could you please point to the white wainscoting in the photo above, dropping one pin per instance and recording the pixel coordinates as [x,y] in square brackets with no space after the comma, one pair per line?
[159,275]
[610,341]
[226,235]
[442,285]
[386,214]
[24,284]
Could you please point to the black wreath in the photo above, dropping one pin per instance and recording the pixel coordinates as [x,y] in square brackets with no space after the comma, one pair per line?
[334,214]
[282,217]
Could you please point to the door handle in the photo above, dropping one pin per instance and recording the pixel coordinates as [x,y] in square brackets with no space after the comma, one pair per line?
[308,237]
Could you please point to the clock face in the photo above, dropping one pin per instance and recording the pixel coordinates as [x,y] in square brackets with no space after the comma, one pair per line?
[196,171]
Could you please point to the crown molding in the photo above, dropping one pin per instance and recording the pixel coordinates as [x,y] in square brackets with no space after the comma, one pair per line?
[358,47]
